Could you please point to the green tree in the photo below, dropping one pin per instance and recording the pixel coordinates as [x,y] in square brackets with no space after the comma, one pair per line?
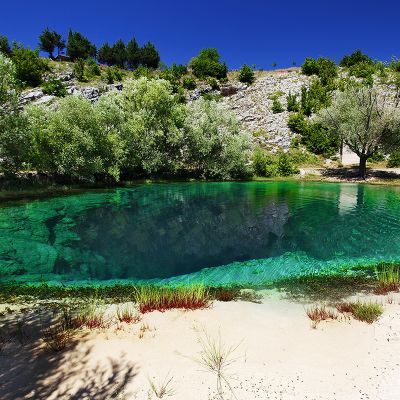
[4,46]
[14,137]
[105,55]
[29,66]
[133,54]
[207,63]
[246,74]
[49,41]
[355,58]
[119,54]
[365,121]
[79,46]
[149,56]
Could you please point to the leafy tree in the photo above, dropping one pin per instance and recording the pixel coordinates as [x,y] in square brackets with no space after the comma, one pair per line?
[29,66]
[133,54]
[325,68]
[105,54]
[4,46]
[207,63]
[48,41]
[246,74]
[149,56]
[364,121]
[79,46]
[355,58]
[14,137]
[119,54]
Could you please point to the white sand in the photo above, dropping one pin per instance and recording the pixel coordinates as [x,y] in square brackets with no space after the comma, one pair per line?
[280,357]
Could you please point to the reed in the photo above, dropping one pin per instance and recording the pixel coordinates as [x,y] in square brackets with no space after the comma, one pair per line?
[388,276]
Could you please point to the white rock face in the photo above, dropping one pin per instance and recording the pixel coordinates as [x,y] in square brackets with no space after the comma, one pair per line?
[253,106]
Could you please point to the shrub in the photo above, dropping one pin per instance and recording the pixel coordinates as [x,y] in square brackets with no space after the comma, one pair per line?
[355,58]
[79,70]
[394,160]
[277,106]
[366,312]
[246,74]
[325,68]
[28,65]
[92,67]
[318,314]
[395,65]
[189,83]
[286,166]
[54,87]
[271,165]
[314,98]
[207,63]
[5,48]
[362,69]
[213,83]
[292,103]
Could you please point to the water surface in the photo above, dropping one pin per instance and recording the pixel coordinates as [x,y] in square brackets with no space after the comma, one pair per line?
[205,232]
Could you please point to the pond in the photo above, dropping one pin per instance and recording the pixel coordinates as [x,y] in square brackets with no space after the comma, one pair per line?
[214,233]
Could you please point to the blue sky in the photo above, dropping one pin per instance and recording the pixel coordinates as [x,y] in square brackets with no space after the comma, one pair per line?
[249,31]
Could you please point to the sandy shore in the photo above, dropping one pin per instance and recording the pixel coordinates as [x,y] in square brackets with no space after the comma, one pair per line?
[279,356]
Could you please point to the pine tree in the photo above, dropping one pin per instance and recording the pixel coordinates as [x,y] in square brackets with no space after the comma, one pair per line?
[133,54]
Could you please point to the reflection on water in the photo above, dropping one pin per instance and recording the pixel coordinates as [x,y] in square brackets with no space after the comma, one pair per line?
[219,232]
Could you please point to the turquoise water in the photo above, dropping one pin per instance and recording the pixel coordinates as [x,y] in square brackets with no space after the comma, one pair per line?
[215,233]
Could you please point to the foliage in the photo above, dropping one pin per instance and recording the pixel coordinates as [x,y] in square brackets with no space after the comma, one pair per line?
[355,58]
[189,83]
[363,109]
[93,68]
[246,74]
[277,106]
[54,87]
[119,54]
[388,276]
[207,64]
[79,70]
[217,145]
[133,54]
[149,56]
[5,48]
[362,69]
[324,68]
[366,312]
[395,64]
[394,159]
[314,98]
[48,41]
[105,54]
[79,46]
[14,136]
[314,136]
[292,103]
[178,70]
[286,166]
[271,165]
[28,65]
[213,83]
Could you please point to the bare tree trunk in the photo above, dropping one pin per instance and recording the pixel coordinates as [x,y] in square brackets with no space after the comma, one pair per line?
[362,168]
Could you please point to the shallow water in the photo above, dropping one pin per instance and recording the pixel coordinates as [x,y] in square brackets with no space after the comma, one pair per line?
[214,233]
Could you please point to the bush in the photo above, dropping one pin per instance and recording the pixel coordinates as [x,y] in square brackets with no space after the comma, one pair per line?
[207,64]
[189,83]
[325,68]
[395,65]
[316,97]
[277,106]
[29,67]
[394,160]
[355,58]
[92,67]
[79,70]
[292,103]
[246,74]
[54,87]
[286,166]
[213,83]
[362,69]
[271,165]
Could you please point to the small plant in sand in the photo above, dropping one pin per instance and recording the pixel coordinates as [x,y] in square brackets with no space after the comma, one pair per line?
[191,297]
[320,313]
[142,330]
[216,357]
[57,334]
[128,314]
[90,316]
[162,389]
[366,312]
[388,276]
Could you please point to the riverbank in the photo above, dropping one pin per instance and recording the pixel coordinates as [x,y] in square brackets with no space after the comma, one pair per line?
[271,348]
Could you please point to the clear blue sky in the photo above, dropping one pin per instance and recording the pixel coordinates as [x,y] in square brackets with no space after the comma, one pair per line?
[245,31]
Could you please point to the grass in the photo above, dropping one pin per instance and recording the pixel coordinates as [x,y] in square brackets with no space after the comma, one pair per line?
[162,389]
[388,276]
[320,313]
[128,314]
[362,311]
[59,332]
[216,358]
[152,298]
[90,316]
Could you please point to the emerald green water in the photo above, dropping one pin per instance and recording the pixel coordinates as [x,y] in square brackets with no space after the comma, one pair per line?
[215,233]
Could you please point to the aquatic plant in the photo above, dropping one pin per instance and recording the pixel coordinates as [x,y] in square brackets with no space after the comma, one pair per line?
[320,313]
[128,314]
[160,298]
